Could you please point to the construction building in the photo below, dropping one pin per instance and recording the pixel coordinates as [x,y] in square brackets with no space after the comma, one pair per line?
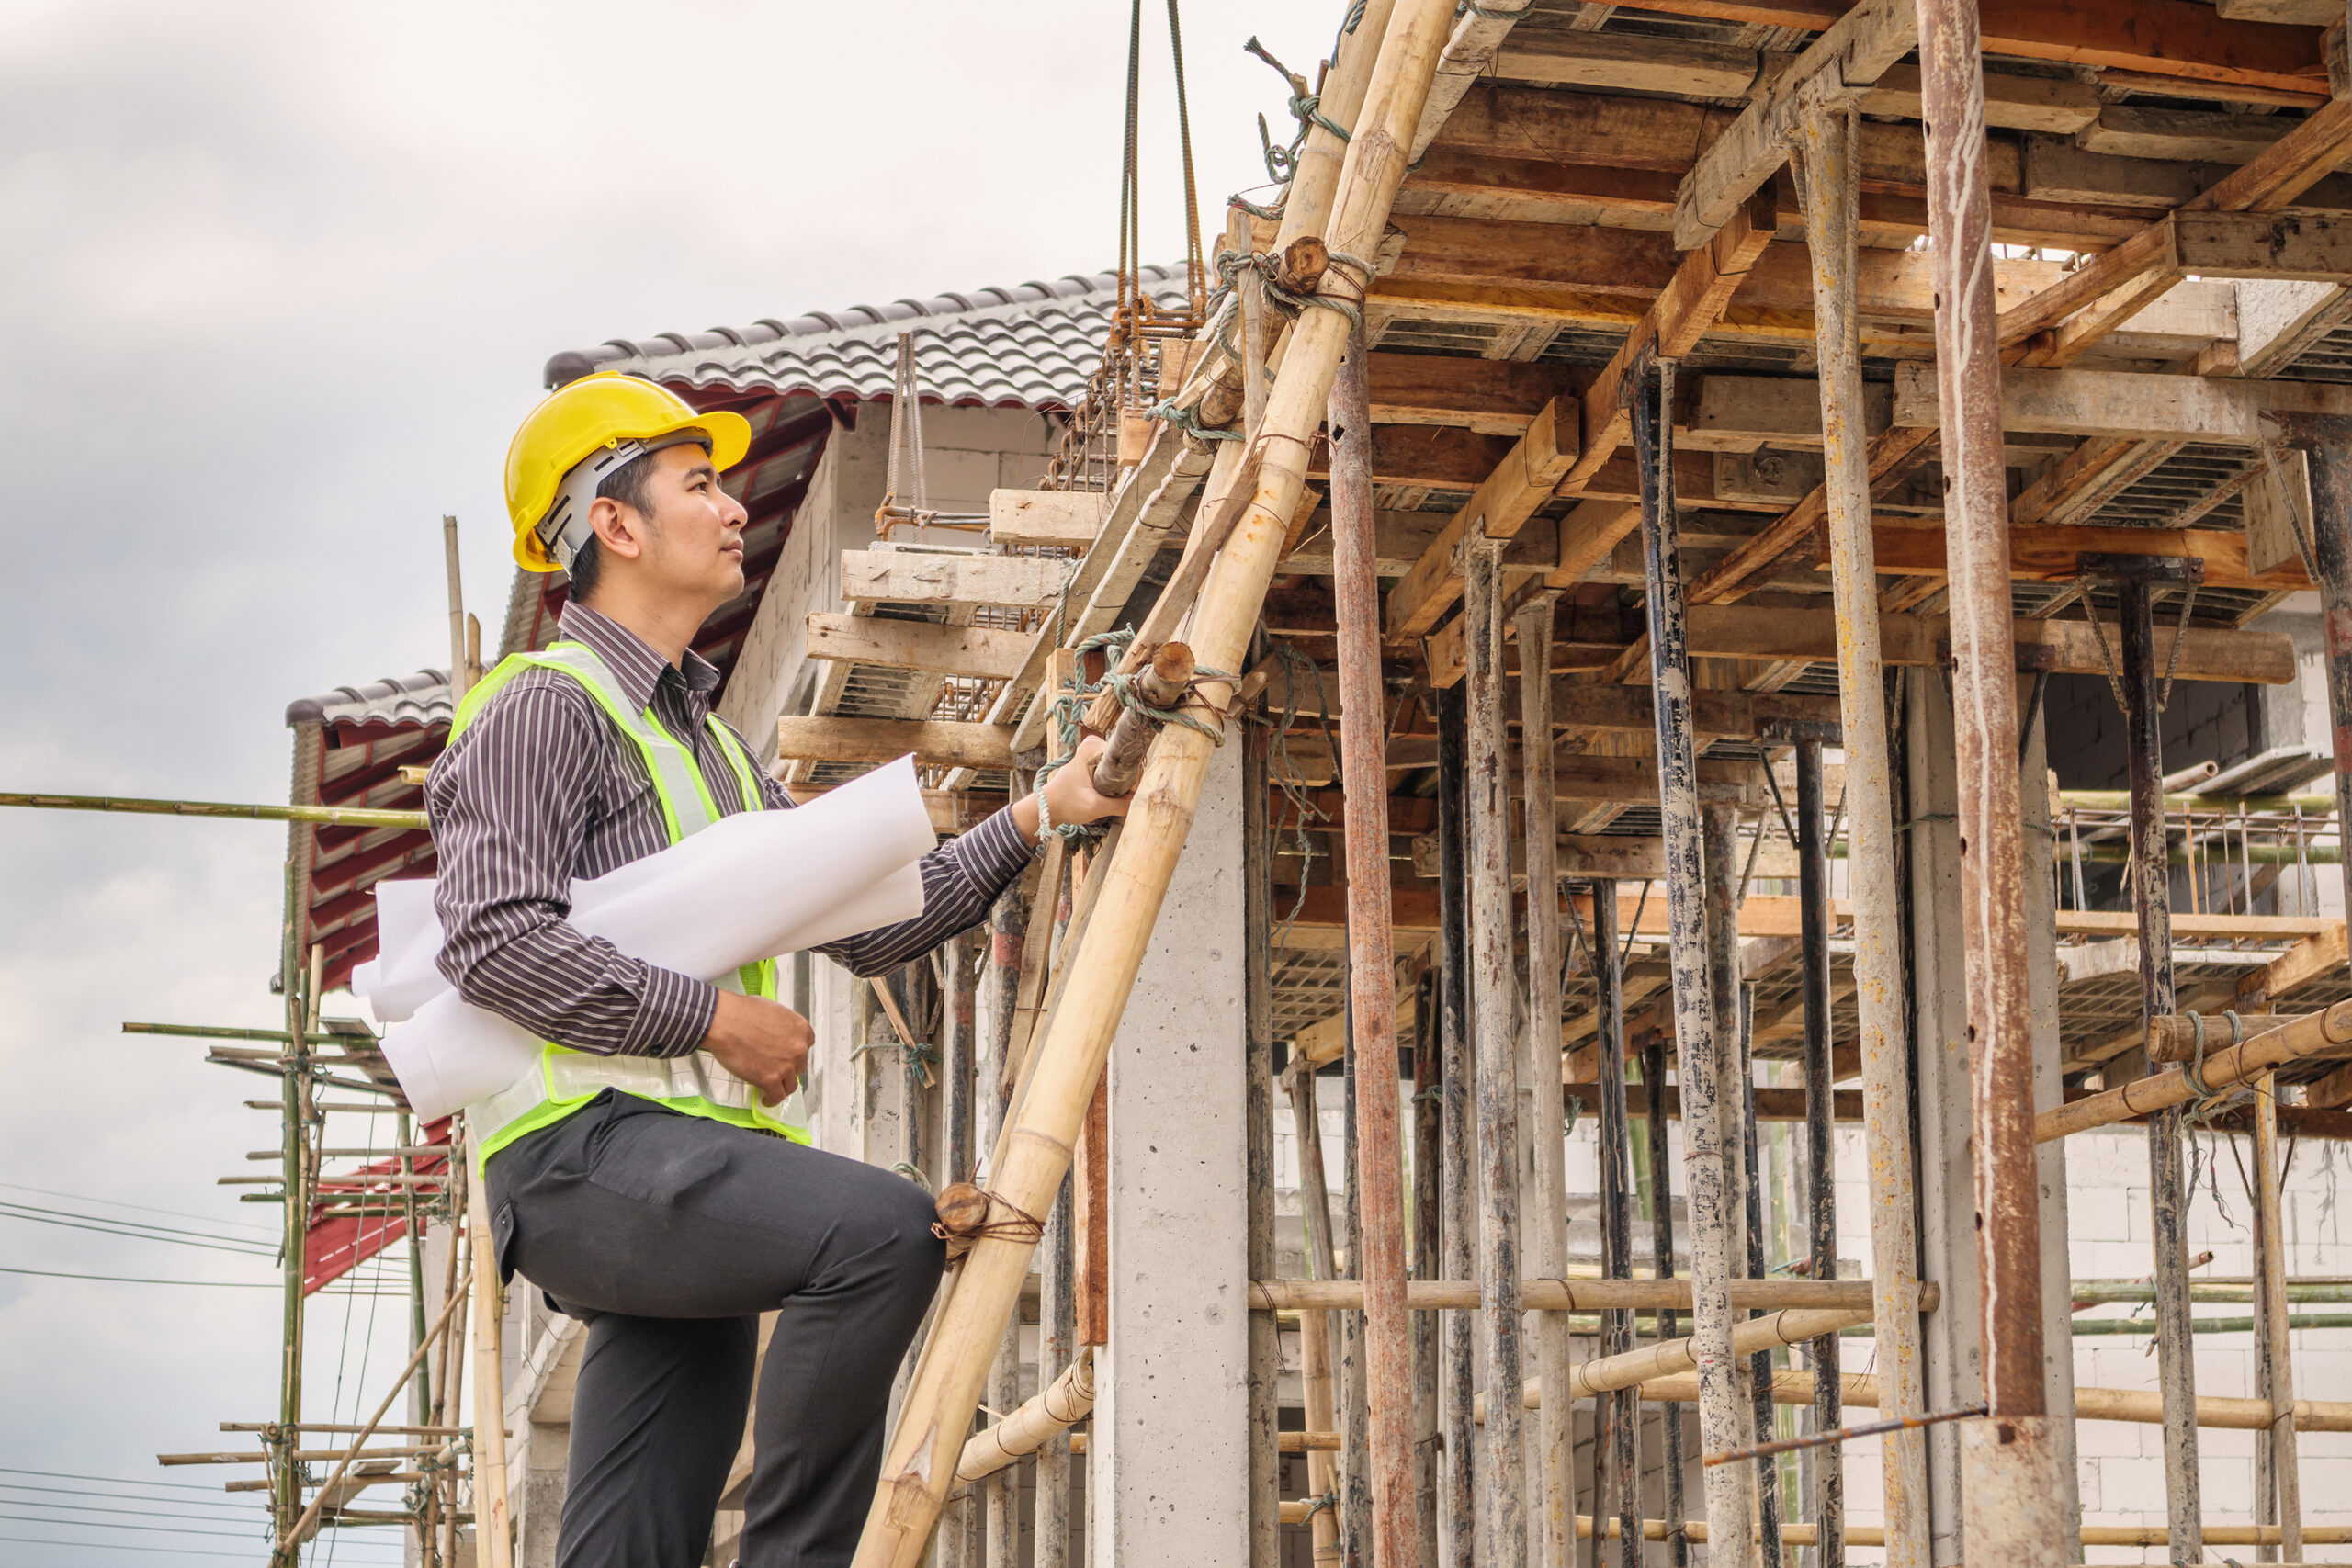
[1759,599]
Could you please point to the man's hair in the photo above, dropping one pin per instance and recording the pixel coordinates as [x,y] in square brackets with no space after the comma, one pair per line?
[626,485]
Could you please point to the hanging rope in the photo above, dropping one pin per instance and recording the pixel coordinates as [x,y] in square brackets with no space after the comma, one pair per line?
[1138,315]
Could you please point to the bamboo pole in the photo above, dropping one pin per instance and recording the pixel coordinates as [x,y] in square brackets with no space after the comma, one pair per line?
[1318,1393]
[1828,173]
[2315,1034]
[1829,1500]
[1651,1362]
[493,1525]
[303,1527]
[2133,1405]
[299,1174]
[1873,1535]
[1714,1221]
[1379,1194]
[2285,1494]
[1671,1294]
[1067,1061]
[1503,1472]
[1053,1410]
[1058,1343]
[321,816]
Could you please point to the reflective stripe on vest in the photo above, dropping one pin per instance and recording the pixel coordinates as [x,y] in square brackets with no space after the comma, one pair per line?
[564,1080]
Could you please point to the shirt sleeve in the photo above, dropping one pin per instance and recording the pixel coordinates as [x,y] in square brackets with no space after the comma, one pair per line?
[511,805]
[960,881]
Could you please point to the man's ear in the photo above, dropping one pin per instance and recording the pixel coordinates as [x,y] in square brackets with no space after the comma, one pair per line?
[619,530]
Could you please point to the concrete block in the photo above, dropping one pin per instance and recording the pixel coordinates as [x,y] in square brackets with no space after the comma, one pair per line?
[2097,1214]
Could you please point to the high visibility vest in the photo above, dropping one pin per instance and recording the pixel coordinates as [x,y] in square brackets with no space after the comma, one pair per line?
[564,1080]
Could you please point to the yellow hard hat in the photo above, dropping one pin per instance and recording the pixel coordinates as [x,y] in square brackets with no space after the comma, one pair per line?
[606,412]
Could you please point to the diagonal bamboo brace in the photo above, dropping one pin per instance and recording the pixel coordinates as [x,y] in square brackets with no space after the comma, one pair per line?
[919,1463]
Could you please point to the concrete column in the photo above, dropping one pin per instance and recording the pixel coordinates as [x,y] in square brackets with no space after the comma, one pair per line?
[1955,1338]
[1169,1456]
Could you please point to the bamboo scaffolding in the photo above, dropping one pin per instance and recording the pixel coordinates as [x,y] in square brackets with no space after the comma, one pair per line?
[1317,1392]
[1053,1410]
[2280,1488]
[2229,1068]
[318,816]
[306,1526]
[2137,1407]
[1265,1341]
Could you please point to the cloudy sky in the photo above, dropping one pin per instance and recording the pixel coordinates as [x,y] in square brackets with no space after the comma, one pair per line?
[276,284]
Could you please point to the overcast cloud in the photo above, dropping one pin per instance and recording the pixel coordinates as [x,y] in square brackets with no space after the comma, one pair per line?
[276,284]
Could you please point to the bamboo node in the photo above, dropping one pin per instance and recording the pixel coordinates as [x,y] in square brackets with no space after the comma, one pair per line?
[967,1214]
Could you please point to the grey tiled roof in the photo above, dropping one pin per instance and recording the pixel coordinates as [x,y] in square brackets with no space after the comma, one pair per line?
[1032,346]
[422,699]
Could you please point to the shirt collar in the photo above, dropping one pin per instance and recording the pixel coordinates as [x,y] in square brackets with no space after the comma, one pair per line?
[634,664]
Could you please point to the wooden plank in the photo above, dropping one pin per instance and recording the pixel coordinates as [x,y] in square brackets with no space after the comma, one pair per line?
[2128,405]
[951,811]
[935,743]
[2296,13]
[2183,136]
[1494,397]
[2311,247]
[1715,714]
[912,577]
[976,652]
[1625,63]
[1398,539]
[1522,482]
[1739,413]
[1064,519]
[2057,107]
[1849,54]
[2052,553]
[2318,956]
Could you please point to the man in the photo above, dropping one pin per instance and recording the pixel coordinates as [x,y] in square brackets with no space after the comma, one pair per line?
[640,1176]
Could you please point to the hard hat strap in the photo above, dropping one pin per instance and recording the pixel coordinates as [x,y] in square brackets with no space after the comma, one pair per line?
[565,530]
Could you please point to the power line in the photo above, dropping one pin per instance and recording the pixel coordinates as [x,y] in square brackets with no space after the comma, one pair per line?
[121,1496]
[131,1513]
[142,1208]
[149,1529]
[112,1479]
[106,1227]
[149,1551]
[135,1280]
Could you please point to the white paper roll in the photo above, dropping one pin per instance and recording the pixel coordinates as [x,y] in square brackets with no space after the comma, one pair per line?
[754,885]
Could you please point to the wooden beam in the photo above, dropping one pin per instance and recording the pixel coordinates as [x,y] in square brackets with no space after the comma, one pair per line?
[1063,519]
[2064,647]
[915,577]
[2311,247]
[2316,958]
[2167,37]
[1623,62]
[2184,136]
[2055,105]
[1492,397]
[2052,553]
[1849,54]
[975,652]
[1521,483]
[2129,406]
[935,743]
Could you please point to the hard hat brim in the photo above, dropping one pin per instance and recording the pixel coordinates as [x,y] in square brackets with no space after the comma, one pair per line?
[731,438]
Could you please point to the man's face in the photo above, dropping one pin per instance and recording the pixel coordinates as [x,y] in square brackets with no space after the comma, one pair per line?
[693,530]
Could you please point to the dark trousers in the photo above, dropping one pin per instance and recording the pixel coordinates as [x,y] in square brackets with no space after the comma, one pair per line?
[669,1235]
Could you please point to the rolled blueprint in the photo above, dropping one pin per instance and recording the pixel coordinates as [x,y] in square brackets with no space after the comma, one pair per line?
[754,885]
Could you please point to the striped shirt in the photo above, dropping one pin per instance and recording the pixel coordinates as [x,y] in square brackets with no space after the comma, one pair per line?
[541,789]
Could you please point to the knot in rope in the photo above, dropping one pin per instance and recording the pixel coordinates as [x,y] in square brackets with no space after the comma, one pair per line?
[968,1214]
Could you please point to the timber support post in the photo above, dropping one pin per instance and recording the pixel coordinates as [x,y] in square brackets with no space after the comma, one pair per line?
[1829,167]
[1493,1007]
[1731,1492]
[2145,690]
[1379,1190]
[1828,1499]
[2012,1497]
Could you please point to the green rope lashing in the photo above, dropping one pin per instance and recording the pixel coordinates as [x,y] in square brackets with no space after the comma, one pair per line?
[1069,709]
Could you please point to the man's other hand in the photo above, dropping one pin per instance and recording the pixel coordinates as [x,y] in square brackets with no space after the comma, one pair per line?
[1069,792]
[764,1044]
